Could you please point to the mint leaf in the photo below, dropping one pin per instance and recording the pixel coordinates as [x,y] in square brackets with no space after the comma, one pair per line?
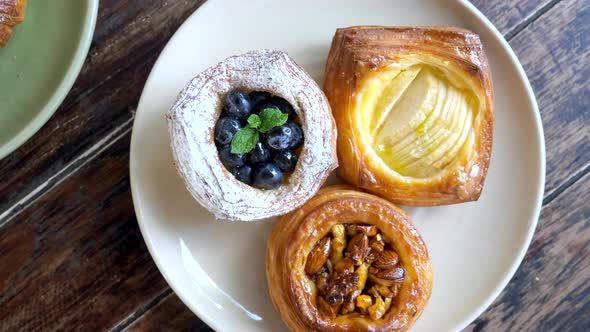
[244,141]
[246,138]
[270,118]
[254,121]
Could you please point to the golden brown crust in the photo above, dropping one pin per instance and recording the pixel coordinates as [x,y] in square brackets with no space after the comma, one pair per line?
[294,294]
[358,52]
[5,34]
[12,12]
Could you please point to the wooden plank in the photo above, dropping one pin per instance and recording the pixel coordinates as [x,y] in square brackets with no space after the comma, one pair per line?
[78,249]
[555,52]
[550,291]
[129,34]
[536,47]
[507,15]
[75,260]
[170,314]
[126,32]
[129,37]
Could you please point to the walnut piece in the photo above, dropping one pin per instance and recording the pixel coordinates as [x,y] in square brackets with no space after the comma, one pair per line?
[355,269]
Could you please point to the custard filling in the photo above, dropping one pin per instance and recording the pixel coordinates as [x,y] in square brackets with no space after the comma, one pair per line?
[355,270]
[417,120]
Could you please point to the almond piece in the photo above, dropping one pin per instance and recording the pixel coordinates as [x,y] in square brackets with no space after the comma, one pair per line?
[318,256]
[386,260]
[354,229]
[381,281]
[396,274]
[358,248]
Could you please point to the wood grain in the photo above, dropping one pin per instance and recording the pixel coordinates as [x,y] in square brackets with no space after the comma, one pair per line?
[555,52]
[75,260]
[550,291]
[170,314]
[529,44]
[129,36]
[507,15]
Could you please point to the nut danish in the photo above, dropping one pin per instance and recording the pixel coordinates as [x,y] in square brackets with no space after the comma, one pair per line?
[253,136]
[348,261]
[12,12]
[414,110]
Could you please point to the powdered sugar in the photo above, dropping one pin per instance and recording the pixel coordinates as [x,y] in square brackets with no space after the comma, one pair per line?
[193,117]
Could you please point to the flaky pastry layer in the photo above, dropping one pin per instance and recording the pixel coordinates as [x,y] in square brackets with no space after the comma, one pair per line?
[359,55]
[293,237]
[192,119]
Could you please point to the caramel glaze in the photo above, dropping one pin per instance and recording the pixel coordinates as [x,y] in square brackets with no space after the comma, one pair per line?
[294,294]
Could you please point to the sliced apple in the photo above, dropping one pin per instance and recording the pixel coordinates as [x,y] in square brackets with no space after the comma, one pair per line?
[414,106]
[454,147]
[411,146]
[439,133]
[392,93]
[450,145]
[420,121]
[371,94]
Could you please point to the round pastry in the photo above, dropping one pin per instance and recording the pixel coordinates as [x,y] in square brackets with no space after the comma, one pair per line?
[348,261]
[414,110]
[253,136]
[12,13]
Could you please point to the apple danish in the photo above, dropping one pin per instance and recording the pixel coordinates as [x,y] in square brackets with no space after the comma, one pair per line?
[414,111]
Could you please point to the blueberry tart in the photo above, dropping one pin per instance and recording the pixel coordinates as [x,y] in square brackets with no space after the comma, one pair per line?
[253,136]
[414,110]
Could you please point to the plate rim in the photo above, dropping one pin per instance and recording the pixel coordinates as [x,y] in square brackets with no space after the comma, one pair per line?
[64,87]
[532,224]
[475,313]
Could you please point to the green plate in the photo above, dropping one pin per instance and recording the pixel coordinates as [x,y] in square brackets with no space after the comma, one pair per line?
[39,65]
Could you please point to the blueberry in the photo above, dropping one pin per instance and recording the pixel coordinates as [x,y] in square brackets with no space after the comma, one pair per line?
[243,174]
[231,160]
[265,104]
[280,138]
[285,160]
[225,130]
[237,104]
[268,176]
[257,97]
[284,106]
[297,134]
[260,154]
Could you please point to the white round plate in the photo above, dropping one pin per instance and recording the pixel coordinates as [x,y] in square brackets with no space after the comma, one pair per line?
[217,268]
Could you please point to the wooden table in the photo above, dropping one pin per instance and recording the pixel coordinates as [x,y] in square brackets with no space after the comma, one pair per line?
[71,254]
